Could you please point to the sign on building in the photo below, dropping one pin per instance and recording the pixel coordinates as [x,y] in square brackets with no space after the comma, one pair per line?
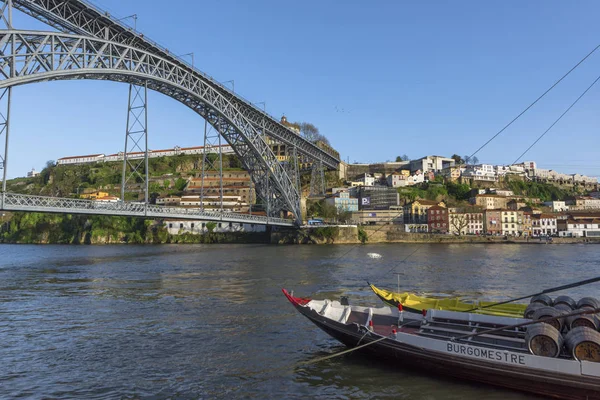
[365,201]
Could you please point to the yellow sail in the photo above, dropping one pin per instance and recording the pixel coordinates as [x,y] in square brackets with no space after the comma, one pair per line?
[414,303]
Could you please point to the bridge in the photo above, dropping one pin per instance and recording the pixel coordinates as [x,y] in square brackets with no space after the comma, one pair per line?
[93,45]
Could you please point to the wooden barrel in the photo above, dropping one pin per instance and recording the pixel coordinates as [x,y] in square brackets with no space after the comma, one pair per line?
[589,302]
[583,344]
[564,307]
[543,340]
[542,298]
[531,309]
[587,320]
[545,312]
[565,300]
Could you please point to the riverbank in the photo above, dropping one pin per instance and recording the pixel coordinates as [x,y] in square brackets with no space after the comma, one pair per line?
[392,234]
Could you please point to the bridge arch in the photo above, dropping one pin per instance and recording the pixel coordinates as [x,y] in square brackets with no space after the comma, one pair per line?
[30,56]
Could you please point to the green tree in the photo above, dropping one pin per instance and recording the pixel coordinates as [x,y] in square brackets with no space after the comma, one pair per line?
[180,184]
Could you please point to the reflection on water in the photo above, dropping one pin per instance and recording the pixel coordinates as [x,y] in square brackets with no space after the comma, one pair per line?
[209,321]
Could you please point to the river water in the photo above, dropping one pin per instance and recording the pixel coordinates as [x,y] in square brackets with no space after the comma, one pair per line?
[210,321]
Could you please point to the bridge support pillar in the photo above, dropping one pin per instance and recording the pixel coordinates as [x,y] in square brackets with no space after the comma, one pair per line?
[317,179]
[212,162]
[5,94]
[136,140]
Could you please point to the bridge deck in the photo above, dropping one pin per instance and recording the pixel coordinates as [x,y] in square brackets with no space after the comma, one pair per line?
[23,202]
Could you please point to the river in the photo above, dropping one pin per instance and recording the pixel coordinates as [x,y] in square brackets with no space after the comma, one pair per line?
[210,321]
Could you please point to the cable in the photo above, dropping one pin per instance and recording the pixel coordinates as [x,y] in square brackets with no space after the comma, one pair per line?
[558,119]
[538,99]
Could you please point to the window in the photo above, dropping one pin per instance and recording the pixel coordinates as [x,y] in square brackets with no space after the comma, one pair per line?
[170,225]
[513,225]
[181,225]
[192,225]
[203,225]
[220,225]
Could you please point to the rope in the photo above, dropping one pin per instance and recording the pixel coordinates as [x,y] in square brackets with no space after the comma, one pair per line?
[342,352]
[558,119]
[538,99]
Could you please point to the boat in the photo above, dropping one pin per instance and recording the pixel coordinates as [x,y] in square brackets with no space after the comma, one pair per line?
[414,303]
[482,348]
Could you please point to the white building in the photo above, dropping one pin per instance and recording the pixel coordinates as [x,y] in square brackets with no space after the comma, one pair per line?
[397,180]
[175,227]
[481,172]
[543,224]
[580,228]
[557,206]
[366,180]
[32,173]
[431,163]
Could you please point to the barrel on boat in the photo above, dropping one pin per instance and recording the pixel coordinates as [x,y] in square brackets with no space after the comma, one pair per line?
[543,299]
[531,309]
[565,300]
[543,340]
[587,320]
[563,307]
[588,302]
[547,312]
[583,344]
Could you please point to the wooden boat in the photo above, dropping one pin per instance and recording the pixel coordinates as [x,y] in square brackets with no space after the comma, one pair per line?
[433,342]
[414,303]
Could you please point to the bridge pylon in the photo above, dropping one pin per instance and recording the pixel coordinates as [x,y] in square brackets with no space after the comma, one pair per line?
[136,140]
[5,95]
[317,179]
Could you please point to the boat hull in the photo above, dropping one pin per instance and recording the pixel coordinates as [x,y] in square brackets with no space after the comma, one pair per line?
[552,385]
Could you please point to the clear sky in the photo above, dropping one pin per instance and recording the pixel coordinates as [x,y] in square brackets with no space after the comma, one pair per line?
[379,79]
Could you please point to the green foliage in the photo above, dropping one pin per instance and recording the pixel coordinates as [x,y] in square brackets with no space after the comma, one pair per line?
[362,235]
[460,191]
[544,192]
[180,184]
[325,232]
[210,226]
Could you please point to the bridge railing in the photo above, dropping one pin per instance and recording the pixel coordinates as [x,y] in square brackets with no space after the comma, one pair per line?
[25,202]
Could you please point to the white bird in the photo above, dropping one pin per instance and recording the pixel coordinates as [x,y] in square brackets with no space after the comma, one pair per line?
[374,255]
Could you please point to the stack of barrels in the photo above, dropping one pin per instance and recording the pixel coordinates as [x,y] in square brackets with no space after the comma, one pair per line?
[578,334]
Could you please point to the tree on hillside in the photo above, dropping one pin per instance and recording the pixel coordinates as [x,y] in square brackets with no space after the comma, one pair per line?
[457,159]
[403,157]
[311,133]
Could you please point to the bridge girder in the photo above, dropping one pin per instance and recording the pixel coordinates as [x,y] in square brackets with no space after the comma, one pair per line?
[80,17]
[31,56]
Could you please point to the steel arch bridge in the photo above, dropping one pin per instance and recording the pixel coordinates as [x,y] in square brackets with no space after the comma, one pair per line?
[125,56]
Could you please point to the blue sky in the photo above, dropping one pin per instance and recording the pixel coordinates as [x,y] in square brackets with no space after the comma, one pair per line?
[379,79]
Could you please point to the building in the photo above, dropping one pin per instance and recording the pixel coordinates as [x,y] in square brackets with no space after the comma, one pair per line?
[416,211]
[169,201]
[493,222]
[94,158]
[431,163]
[437,219]
[527,225]
[585,203]
[463,222]
[544,225]
[480,172]
[212,202]
[378,217]
[502,192]
[97,195]
[397,180]
[557,206]
[516,204]
[33,173]
[579,228]
[375,197]
[342,201]
[235,183]
[511,221]
[177,227]
[366,180]
[451,173]
[490,201]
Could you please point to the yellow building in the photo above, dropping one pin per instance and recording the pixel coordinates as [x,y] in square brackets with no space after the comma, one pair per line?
[95,195]
[490,201]
[511,222]
[416,211]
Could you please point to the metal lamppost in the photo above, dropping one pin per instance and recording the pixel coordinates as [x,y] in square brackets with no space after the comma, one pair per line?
[232,84]
[188,54]
[132,16]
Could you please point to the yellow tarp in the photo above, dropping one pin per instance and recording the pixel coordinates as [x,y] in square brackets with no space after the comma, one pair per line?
[417,303]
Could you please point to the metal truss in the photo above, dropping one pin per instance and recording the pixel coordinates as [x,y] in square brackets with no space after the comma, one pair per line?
[80,17]
[136,140]
[23,202]
[4,129]
[212,160]
[44,56]
[317,179]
